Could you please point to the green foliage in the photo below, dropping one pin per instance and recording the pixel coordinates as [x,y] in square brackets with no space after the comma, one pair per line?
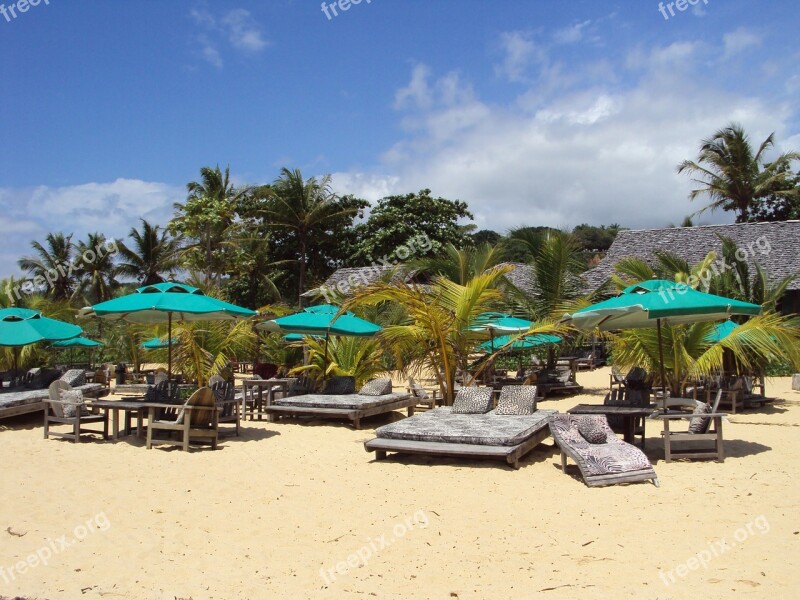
[152,257]
[361,358]
[735,178]
[595,238]
[50,268]
[397,219]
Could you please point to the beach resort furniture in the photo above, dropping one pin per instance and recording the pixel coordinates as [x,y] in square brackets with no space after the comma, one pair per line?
[629,418]
[20,401]
[560,380]
[617,379]
[426,398]
[225,396]
[374,398]
[253,402]
[196,420]
[65,406]
[445,431]
[700,431]
[602,458]
[751,398]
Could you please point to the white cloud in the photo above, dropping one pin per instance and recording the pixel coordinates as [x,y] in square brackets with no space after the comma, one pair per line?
[111,208]
[739,41]
[587,150]
[237,26]
[571,34]
[521,52]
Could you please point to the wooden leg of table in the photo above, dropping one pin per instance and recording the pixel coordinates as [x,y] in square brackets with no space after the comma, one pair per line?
[115,424]
[629,421]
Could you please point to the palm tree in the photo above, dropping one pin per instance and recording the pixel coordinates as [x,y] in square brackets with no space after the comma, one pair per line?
[557,261]
[303,207]
[459,264]
[436,335]
[52,268]
[357,357]
[204,348]
[205,217]
[154,254]
[734,178]
[98,276]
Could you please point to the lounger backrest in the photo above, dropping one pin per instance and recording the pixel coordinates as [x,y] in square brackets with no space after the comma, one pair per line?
[203,397]
[54,392]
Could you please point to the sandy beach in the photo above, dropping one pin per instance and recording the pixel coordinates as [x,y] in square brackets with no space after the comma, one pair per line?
[272,514]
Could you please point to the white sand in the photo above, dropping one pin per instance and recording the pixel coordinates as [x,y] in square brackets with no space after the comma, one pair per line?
[263,515]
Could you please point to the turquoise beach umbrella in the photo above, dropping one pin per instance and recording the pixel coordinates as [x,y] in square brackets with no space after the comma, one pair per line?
[720,331]
[157,343]
[78,342]
[655,302]
[522,343]
[23,326]
[166,301]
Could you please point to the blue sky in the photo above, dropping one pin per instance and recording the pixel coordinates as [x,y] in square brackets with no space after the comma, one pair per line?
[539,113]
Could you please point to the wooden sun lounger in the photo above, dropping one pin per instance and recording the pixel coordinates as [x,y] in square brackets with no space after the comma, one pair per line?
[37,399]
[511,454]
[355,415]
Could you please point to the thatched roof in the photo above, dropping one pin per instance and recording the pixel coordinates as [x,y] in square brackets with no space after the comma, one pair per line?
[344,281]
[775,246]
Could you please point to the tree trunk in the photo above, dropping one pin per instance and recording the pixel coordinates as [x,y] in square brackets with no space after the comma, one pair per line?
[302,278]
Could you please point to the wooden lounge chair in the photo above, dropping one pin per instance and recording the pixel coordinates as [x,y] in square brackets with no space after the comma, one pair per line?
[196,420]
[225,396]
[602,458]
[427,399]
[627,397]
[55,412]
[700,430]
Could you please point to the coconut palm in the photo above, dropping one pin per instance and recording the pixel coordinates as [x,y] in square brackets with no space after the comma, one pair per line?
[459,264]
[204,348]
[154,254]
[361,358]
[204,219]
[303,207]
[734,177]
[52,269]
[436,335]
[97,276]
[557,261]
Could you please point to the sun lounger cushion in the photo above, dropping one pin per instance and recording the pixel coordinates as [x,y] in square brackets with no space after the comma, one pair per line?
[342,401]
[700,424]
[76,404]
[489,429]
[473,400]
[376,387]
[614,456]
[517,400]
[74,377]
[341,384]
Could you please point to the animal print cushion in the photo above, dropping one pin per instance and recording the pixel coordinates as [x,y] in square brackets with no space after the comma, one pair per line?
[74,377]
[376,387]
[592,430]
[341,384]
[473,400]
[75,400]
[700,424]
[517,400]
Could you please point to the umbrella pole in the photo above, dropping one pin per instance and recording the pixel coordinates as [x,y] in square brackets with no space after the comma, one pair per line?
[169,346]
[661,357]
[325,358]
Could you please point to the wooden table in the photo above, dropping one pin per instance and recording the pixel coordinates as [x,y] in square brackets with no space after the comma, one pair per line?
[257,386]
[629,414]
[139,407]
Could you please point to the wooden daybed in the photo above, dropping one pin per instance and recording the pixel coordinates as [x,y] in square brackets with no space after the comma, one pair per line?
[22,401]
[439,432]
[353,407]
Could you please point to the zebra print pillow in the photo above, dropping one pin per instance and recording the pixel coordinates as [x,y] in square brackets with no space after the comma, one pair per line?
[75,406]
[517,400]
[700,424]
[473,400]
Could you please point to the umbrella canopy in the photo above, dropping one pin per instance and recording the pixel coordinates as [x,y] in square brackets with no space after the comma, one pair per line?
[157,343]
[643,304]
[721,331]
[494,322]
[651,303]
[166,301]
[78,342]
[321,320]
[523,343]
[22,326]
